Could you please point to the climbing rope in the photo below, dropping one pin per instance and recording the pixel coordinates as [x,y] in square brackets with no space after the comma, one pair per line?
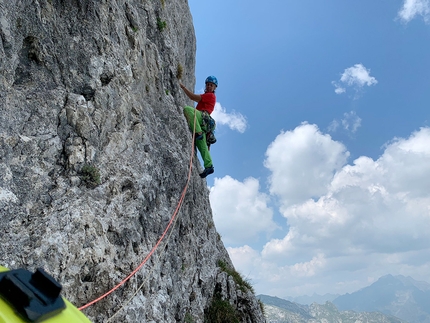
[147,277]
[141,285]
[172,221]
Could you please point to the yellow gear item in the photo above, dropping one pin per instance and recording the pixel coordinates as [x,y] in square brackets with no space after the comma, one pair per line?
[14,288]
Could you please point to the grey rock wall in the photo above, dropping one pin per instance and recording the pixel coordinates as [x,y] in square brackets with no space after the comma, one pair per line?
[95,153]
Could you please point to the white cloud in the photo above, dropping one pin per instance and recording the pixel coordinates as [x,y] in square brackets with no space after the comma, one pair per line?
[240,211]
[413,8]
[367,203]
[244,257]
[350,223]
[338,88]
[303,162]
[234,120]
[333,126]
[356,77]
[350,123]
[309,268]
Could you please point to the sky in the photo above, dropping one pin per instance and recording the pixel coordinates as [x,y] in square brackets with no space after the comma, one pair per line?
[322,164]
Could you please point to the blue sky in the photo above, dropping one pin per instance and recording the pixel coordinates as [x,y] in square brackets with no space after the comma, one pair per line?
[322,165]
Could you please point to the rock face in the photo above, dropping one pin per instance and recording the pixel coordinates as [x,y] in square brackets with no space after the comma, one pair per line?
[95,154]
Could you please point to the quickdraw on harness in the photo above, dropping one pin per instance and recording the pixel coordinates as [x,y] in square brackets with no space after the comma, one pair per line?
[209,124]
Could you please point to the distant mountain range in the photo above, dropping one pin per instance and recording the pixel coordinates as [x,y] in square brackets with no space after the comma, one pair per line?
[294,308]
[315,298]
[391,299]
[400,296]
[278,310]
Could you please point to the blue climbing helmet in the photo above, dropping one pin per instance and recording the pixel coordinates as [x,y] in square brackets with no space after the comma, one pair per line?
[212,79]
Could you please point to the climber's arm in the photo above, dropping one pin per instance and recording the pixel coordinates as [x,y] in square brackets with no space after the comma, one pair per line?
[191,95]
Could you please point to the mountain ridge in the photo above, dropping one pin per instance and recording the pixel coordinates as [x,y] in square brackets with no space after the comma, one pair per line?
[314,298]
[398,295]
[321,313]
[395,298]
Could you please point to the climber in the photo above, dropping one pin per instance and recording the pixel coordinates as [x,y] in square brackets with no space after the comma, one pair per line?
[205,102]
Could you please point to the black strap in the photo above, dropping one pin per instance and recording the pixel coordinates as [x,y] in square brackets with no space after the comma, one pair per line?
[34,297]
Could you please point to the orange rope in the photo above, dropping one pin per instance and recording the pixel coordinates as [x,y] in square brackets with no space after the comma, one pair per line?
[162,236]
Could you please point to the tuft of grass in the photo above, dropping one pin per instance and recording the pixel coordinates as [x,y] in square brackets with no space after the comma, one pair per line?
[221,311]
[189,318]
[18,23]
[161,24]
[179,71]
[163,3]
[244,284]
[90,175]
[263,310]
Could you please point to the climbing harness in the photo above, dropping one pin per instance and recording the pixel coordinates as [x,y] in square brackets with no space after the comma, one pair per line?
[209,124]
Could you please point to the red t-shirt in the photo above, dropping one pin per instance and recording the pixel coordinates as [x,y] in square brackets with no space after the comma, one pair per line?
[207,103]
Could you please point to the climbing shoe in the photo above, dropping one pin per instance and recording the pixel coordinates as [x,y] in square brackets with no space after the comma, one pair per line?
[199,137]
[207,171]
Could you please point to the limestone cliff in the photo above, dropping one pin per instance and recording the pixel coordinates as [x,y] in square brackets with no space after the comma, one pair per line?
[94,157]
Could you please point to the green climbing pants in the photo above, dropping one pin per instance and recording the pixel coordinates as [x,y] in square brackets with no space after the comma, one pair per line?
[201,144]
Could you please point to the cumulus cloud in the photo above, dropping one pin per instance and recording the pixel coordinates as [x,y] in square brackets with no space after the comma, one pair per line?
[241,212]
[356,77]
[345,220]
[233,120]
[413,8]
[373,207]
[244,257]
[303,162]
